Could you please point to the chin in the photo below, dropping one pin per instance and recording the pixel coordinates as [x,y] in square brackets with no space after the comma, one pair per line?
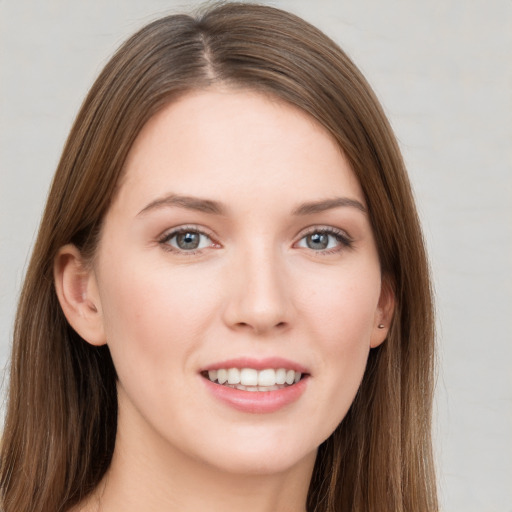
[264,464]
[267,456]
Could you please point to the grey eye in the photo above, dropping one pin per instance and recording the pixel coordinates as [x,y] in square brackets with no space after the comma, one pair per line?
[188,240]
[325,239]
[318,241]
[322,240]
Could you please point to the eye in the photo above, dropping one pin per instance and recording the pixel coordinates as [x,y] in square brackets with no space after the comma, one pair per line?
[187,240]
[328,240]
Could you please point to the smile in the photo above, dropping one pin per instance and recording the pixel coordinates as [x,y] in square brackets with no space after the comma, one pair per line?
[250,379]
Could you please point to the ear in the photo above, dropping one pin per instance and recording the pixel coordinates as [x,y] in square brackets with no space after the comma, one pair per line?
[383,314]
[77,291]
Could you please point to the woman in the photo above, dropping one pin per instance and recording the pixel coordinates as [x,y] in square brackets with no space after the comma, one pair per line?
[228,304]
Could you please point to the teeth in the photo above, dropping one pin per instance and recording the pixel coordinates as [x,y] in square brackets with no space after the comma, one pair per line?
[281,376]
[234,376]
[249,379]
[267,378]
[222,376]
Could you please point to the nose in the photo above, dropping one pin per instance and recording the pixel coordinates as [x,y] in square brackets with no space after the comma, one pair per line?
[259,294]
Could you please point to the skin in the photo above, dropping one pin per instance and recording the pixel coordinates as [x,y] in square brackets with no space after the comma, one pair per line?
[254,288]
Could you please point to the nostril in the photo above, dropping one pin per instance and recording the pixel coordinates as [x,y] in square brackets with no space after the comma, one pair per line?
[259,327]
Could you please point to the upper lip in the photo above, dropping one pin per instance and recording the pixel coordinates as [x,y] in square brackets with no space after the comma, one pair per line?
[257,364]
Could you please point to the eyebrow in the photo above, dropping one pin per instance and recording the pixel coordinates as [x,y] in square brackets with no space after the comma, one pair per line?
[188,202]
[328,204]
[215,208]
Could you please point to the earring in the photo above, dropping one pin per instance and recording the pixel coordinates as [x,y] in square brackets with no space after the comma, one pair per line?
[381,326]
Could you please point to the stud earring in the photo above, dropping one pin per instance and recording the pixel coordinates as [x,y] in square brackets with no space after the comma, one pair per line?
[381,326]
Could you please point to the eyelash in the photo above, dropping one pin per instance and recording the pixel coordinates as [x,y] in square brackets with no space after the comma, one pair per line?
[165,239]
[344,241]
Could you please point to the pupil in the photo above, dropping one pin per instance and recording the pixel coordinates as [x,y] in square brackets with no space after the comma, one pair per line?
[317,241]
[187,240]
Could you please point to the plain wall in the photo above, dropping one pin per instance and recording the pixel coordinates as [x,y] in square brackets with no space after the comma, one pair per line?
[443,71]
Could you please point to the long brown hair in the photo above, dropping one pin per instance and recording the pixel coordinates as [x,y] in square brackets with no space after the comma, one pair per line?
[61,419]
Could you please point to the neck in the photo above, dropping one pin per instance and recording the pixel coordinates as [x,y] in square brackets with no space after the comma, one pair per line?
[132,484]
[148,474]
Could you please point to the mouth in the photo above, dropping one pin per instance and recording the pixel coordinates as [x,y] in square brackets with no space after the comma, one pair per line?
[251,379]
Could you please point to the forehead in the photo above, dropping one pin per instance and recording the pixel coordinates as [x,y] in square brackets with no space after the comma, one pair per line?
[222,142]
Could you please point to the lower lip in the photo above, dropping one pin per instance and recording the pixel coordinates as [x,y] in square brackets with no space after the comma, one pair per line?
[257,402]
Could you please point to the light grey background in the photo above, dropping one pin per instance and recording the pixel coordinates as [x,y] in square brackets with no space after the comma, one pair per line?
[443,70]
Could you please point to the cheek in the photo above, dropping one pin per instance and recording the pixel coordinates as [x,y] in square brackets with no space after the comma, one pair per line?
[152,313]
[342,317]
[342,306]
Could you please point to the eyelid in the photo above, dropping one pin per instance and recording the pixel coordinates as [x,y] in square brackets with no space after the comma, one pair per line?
[345,240]
[172,232]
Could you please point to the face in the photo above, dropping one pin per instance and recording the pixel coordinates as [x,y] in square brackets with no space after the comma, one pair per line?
[238,247]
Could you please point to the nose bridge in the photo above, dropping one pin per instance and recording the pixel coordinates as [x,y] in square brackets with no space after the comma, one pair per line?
[260,294]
